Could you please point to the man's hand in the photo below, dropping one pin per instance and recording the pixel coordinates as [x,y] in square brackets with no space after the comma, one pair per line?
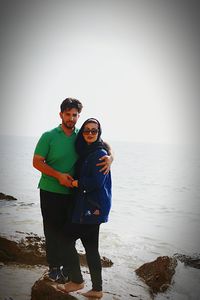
[40,164]
[65,179]
[106,162]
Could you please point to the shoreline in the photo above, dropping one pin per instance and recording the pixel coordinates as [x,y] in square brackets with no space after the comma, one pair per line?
[119,280]
[26,259]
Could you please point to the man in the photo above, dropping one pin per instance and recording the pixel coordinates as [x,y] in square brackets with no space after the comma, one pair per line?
[55,158]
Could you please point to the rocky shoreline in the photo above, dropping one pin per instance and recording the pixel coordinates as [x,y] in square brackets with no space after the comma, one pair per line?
[30,250]
[155,276]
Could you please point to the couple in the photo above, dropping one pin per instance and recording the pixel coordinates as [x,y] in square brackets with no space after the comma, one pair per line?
[75,196]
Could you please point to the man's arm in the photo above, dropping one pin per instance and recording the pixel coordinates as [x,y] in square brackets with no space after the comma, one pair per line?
[40,164]
[106,160]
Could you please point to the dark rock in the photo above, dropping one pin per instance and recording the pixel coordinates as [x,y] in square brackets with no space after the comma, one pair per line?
[30,250]
[6,197]
[106,262]
[191,261]
[43,289]
[158,274]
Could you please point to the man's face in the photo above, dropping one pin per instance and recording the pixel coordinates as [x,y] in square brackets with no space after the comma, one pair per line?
[69,117]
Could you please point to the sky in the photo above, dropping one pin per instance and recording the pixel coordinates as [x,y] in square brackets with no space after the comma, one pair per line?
[134,65]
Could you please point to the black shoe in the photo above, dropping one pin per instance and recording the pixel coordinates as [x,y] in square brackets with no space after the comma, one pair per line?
[64,278]
[54,274]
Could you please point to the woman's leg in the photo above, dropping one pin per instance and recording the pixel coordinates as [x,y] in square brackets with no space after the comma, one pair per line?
[90,241]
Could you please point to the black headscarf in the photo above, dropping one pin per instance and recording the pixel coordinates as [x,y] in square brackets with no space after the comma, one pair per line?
[81,146]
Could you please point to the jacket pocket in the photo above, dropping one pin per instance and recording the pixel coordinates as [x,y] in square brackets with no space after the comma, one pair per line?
[91,206]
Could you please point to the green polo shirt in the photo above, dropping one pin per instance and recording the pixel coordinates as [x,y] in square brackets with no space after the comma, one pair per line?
[59,152]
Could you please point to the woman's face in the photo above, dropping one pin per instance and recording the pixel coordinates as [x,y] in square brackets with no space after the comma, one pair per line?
[90,132]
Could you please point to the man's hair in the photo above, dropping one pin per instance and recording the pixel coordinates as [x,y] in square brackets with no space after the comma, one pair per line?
[70,103]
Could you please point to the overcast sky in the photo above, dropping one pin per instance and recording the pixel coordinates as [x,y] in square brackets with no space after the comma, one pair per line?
[134,65]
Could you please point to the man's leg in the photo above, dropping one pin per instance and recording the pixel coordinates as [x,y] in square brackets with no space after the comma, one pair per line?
[71,260]
[56,211]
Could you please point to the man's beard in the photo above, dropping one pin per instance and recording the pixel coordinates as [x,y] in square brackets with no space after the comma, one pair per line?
[69,124]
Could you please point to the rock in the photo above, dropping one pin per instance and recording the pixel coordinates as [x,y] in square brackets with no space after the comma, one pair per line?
[6,197]
[158,274]
[44,289]
[105,262]
[30,250]
[1,264]
[191,261]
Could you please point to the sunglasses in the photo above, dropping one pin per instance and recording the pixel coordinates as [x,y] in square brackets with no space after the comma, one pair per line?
[93,131]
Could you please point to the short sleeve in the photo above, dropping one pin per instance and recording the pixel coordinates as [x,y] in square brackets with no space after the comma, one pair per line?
[42,147]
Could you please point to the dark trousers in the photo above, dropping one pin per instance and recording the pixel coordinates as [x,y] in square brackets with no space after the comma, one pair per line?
[89,236]
[56,212]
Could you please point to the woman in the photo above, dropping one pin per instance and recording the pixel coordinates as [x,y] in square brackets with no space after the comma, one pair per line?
[92,207]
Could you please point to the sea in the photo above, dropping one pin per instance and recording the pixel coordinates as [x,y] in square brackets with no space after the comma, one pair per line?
[155,212]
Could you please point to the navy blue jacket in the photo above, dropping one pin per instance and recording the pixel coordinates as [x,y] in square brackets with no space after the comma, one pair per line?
[94,192]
